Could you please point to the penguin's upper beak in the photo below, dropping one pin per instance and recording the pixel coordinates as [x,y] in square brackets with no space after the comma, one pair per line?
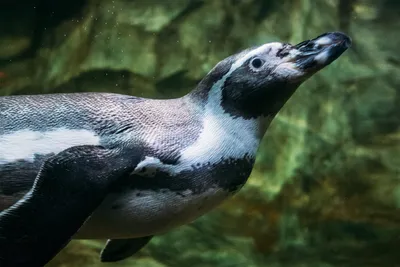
[312,55]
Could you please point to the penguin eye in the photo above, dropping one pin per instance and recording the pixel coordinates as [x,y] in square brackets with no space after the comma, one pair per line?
[257,63]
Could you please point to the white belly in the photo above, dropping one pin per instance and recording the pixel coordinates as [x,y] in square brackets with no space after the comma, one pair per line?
[141,213]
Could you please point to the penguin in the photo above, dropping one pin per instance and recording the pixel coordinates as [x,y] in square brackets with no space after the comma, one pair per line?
[125,168]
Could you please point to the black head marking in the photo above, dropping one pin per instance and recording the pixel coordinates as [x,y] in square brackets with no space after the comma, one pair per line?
[216,74]
[249,94]
[250,87]
[260,80]
[205,85]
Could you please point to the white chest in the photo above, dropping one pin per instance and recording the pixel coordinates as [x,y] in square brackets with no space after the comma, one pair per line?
[221,138]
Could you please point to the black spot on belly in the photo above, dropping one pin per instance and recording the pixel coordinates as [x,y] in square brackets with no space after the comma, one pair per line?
[228,174]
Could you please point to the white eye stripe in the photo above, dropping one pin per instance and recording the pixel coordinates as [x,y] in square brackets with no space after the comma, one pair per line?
[266,49]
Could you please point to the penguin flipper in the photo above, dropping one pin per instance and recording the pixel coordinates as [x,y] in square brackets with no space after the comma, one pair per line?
[67,189]
[119,249]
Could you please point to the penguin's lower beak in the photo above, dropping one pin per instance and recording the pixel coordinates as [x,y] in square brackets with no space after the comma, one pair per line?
[312,55]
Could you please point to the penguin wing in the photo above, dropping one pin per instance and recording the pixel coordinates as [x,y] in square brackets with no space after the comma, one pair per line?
[119,249]
[67,189]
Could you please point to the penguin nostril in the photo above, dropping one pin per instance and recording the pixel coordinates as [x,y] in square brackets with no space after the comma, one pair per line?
[317,46]
[310,45]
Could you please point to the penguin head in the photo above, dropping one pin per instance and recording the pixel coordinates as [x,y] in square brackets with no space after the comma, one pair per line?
[258,81]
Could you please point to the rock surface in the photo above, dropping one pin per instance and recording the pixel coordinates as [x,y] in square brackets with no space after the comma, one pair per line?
[326,188]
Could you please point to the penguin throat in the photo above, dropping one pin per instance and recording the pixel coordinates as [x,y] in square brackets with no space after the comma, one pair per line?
[242,131]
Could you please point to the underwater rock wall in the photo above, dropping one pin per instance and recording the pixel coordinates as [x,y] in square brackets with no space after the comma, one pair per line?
[326,188]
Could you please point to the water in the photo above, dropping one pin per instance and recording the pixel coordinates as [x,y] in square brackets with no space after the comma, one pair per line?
[326,187]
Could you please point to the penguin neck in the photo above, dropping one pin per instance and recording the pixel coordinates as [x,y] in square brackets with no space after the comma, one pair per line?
[247,131]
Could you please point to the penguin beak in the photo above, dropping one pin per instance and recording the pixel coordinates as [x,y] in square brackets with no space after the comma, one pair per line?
[313,55]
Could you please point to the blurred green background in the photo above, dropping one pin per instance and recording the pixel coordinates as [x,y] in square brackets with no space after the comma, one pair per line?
[326,187]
